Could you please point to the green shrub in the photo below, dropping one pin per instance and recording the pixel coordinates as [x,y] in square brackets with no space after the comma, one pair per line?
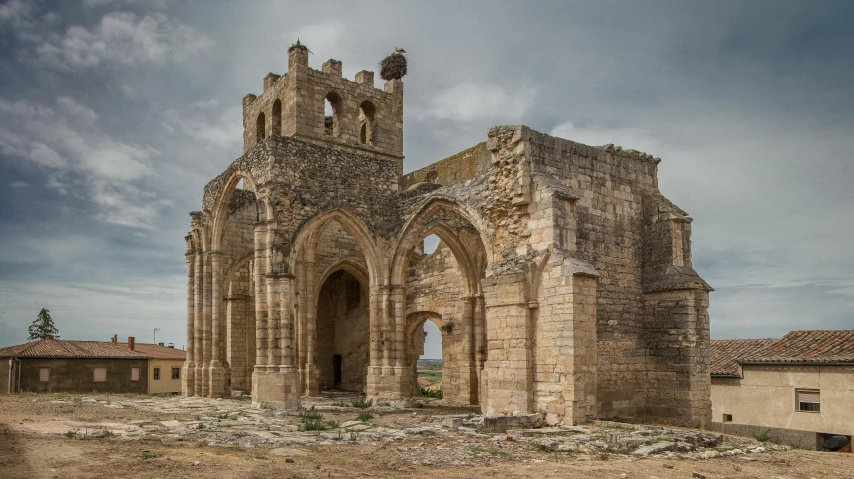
[312,420]
[361,403]
[365,416]
[435,393]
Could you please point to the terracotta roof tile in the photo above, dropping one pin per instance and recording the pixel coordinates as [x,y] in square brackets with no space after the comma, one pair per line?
[157,351]
[726,353]
[58,348]
[817,346]
[822,346]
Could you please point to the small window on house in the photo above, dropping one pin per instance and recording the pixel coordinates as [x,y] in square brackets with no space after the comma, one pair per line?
[727,417]
[44,374]
[134,374]
[176,373]
[100,375]
[260,127]
[808,400]
[156,373]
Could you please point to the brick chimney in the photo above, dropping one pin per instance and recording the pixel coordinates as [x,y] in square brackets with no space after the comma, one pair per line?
[131,343]
[115,339]
[48,337]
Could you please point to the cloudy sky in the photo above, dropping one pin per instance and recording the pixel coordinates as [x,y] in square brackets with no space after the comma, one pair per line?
[114,114]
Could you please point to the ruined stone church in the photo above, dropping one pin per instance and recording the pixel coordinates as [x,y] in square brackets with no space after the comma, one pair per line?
[562,283]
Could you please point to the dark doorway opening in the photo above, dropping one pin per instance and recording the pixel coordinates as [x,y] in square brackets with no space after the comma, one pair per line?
[336,372]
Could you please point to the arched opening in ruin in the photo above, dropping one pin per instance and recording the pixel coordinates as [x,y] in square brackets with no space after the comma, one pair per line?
[336,266]
[343,332]
[277,118]
[231,273]
[239,298]
[260,127]
[425,351]
[367,123]
[446,282]
[331,114]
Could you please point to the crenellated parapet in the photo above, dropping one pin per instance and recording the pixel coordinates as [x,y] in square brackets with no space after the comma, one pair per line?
[323,105]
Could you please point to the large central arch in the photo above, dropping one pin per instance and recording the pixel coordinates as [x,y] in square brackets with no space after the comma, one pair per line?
[464,336]
[310,283]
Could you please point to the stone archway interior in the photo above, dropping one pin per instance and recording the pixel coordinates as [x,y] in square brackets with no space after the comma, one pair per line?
[343,333]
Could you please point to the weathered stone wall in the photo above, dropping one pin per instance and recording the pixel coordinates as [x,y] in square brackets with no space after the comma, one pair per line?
[608,234]
[459,167]
[335,245]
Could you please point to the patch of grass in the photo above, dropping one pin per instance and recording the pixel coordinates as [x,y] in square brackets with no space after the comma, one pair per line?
[365,416]
[312,420]
[145,455]
[70,434]
[246,392]
[200,426]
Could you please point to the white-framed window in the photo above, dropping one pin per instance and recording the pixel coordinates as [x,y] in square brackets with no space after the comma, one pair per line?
[99,375]
[134,374]
[808,400]
[44,374]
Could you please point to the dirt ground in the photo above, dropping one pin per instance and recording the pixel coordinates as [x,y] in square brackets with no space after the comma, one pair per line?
[35,443]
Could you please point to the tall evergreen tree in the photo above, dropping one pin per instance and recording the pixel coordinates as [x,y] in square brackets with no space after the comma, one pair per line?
[43,327]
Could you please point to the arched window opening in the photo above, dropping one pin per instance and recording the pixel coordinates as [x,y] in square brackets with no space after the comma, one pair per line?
[331,113]
[277,118]
[428,342]
[367,123]
[429,244]
[260,127]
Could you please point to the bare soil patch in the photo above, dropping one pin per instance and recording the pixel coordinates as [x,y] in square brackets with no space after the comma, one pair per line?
[35,433]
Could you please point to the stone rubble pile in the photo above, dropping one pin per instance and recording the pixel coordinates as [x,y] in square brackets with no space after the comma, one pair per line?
[451,440]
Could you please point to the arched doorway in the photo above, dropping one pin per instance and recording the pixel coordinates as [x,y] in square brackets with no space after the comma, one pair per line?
[343,327]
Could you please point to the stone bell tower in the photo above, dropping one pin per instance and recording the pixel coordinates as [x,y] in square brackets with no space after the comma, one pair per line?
[362,117]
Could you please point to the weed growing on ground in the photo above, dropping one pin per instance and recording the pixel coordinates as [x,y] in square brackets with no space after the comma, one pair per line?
[312,420]
[365,416]
[145,455]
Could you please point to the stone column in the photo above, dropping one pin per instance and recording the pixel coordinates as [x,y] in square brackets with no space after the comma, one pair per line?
[467,364]
[272,353]
[479,341]
[188,388]
[389,378]
[218,379]
[260,297]
[207,317]
[198,323]
[312,372]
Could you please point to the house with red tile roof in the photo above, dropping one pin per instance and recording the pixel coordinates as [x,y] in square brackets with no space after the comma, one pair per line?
[58,365]
[798,389]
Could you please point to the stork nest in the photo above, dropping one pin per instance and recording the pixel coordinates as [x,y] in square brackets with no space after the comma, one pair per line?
[393,67]
[297,45]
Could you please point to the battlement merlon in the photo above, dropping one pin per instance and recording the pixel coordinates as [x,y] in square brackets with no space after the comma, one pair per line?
[294,104]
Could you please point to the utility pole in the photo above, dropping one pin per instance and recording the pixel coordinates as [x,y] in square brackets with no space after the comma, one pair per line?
[155,335]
